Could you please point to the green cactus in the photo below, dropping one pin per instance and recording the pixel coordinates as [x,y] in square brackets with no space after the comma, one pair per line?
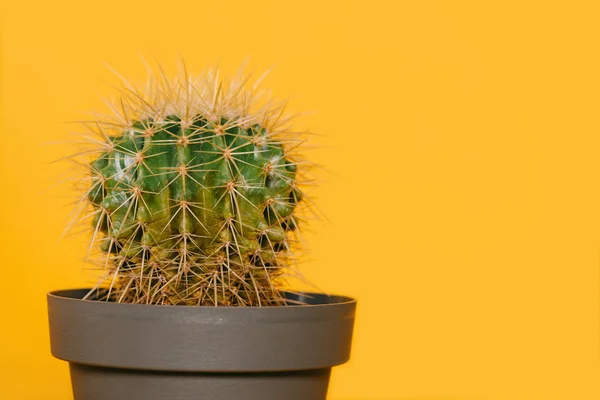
[194,195]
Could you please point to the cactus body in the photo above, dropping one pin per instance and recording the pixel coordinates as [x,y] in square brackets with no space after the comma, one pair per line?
[194,207]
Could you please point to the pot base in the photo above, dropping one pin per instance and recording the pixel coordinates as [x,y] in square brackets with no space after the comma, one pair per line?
[101,383]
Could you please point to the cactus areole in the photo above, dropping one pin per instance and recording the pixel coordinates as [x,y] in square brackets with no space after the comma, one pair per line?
[194,192]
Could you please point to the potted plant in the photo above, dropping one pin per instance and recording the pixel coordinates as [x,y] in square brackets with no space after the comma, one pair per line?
[195,198]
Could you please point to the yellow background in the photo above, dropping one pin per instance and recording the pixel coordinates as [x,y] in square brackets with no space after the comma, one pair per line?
[463,140]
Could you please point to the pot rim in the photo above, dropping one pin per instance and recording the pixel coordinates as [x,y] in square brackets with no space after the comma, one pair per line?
[201,338]
[336,300]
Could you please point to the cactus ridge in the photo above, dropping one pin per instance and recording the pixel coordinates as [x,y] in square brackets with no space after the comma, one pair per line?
[195,193]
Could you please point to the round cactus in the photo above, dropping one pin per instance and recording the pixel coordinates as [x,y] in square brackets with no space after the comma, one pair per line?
[194,194]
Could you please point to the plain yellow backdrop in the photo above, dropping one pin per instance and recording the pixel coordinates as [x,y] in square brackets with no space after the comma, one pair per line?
[462,140]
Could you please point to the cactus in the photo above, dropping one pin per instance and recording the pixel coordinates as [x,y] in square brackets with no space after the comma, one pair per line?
[195,194]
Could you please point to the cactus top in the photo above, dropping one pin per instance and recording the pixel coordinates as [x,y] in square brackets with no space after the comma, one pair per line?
[194,195]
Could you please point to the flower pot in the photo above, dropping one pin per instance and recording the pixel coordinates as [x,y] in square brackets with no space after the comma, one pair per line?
[132,351]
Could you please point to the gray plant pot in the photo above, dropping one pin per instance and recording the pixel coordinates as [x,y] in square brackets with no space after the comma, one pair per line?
[148,352]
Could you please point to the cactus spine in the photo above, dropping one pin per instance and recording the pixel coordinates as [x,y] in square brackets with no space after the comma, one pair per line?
[195,194]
